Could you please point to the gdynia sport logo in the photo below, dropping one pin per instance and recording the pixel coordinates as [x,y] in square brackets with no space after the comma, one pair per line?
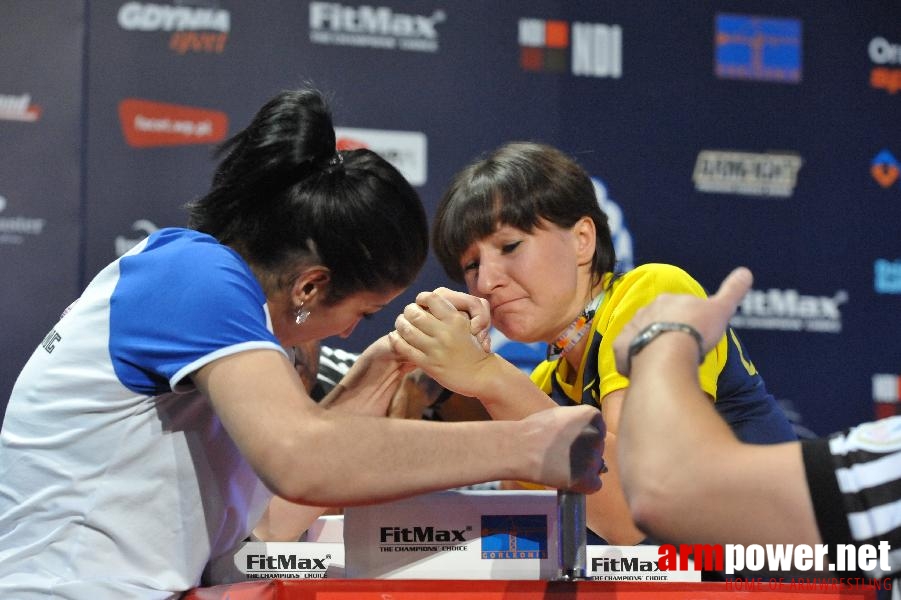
[775,558]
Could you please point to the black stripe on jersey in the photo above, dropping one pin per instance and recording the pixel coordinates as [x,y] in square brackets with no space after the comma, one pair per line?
[872,497]
[824,493]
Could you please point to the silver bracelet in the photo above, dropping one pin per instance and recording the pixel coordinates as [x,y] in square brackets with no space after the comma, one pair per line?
[649,333]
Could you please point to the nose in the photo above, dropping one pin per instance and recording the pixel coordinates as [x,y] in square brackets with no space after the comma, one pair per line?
[489,276]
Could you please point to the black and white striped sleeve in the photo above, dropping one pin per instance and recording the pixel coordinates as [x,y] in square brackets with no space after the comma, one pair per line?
[855,484]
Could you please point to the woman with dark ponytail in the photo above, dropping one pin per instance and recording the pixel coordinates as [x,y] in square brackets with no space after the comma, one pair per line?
[148,437]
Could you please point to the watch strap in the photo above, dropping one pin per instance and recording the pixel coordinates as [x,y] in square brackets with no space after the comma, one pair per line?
[652,331]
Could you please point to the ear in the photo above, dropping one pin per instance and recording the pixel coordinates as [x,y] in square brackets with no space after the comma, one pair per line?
[585,237]
[312,282]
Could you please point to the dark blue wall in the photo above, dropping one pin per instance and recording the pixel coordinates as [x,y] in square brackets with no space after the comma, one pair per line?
[760,133]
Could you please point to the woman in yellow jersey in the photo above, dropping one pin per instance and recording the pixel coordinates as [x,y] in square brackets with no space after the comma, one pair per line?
[522,229]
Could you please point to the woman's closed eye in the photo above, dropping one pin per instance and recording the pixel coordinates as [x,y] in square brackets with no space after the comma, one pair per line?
[508,248]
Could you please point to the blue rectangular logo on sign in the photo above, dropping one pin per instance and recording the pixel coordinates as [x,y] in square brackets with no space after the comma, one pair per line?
[514,536]
[762,48]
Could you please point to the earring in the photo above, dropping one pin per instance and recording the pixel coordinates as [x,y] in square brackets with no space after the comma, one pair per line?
[301,315]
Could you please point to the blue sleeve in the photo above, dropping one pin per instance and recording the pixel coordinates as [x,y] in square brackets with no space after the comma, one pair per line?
[180,303]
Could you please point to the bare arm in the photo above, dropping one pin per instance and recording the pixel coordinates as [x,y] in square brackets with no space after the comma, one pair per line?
[285,521]
[365,390]
[685,475]
[607,512]
[309,455]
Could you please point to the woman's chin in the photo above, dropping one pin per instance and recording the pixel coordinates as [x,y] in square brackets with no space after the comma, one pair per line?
[517,333]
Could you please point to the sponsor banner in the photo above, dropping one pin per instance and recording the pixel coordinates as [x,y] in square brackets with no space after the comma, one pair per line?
[197,29]
[887,276]
[631,563]
[583,49]
[147,124]
[460,534]
[757,48]
[886,394]
[887,56]
[885,169]
[18,108]
[788,310]
[15,229]
[338,24]
[290,560]
[406,150]
[747,173]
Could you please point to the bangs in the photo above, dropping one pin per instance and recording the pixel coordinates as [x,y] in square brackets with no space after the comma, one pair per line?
[475,212]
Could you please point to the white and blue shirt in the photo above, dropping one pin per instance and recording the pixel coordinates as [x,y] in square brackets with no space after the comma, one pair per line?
[117,479]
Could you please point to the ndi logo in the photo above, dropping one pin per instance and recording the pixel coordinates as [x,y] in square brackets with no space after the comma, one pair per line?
[514,536]
[595,49]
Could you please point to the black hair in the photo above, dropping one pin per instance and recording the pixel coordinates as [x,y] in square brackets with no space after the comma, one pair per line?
[283,195]
[518,184]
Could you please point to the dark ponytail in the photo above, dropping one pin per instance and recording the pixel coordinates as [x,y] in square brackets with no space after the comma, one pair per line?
[283,194]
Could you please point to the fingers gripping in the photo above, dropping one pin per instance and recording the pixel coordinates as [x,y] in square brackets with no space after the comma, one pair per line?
[477,310]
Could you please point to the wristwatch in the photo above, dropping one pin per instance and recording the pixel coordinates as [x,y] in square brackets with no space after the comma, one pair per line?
[649,333]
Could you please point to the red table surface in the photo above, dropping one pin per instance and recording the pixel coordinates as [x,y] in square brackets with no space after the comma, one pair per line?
[406,589]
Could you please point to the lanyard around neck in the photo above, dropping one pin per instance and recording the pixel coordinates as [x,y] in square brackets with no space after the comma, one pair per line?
[571,336]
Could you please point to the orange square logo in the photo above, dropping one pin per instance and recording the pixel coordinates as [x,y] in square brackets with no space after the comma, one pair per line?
[557,34]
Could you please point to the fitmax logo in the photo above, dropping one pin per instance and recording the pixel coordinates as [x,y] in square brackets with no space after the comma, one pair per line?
[420,535]
[337,24]
[787,310]
[789,303]
[283,562]
[623,565]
